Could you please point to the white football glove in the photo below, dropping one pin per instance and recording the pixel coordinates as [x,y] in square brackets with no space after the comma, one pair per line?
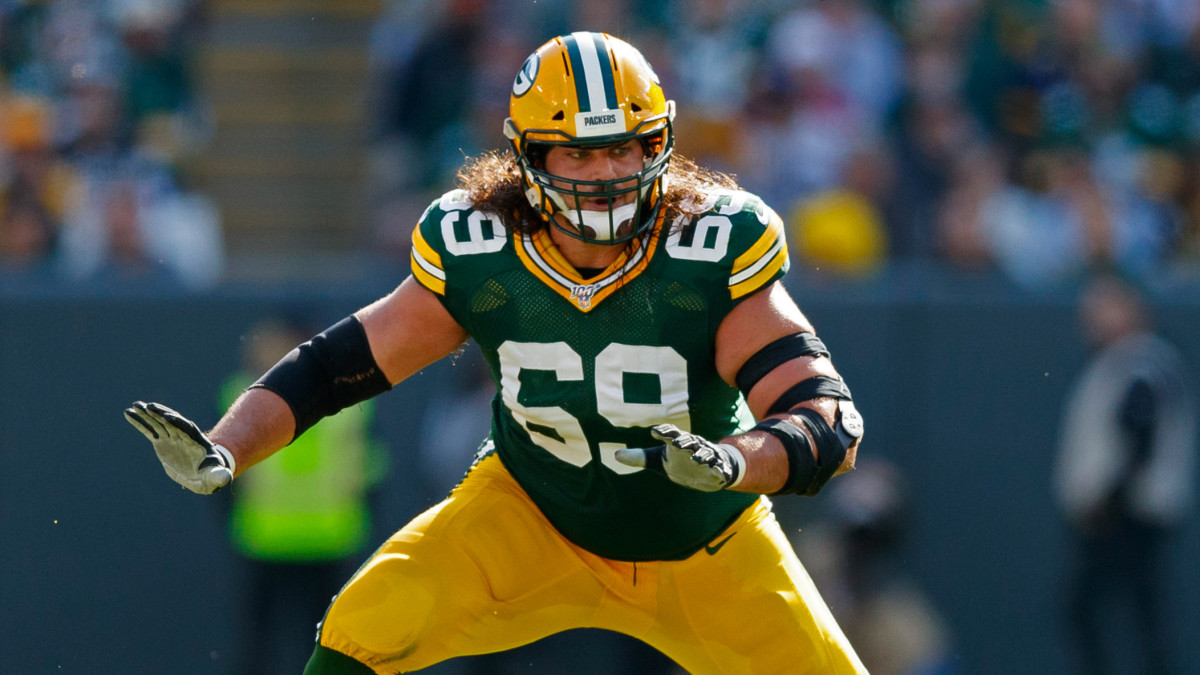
[189,458]
[688,459]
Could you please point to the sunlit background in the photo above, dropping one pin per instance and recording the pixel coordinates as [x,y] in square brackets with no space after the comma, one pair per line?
[950,173]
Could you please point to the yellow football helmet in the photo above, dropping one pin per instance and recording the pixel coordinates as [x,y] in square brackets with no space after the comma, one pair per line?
[591,90]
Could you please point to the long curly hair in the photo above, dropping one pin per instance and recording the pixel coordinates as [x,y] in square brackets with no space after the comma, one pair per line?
[492,181]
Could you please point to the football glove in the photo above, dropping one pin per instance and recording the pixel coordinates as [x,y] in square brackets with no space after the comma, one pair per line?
[688,459]
[187,455]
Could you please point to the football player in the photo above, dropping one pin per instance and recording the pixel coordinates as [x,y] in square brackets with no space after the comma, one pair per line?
[655,382]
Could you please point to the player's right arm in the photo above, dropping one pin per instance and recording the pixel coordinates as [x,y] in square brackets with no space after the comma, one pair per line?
[357,358]
[401,333]
[407,330]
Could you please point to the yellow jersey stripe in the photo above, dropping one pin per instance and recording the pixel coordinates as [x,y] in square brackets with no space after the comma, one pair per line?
[556,264]
[537,271]
[425,250]
[425,278]
[762,247]
[756,281]
[552,259]
[762,262]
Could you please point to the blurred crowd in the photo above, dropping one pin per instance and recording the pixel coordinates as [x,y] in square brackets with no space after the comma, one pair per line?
[99,117]
[1040,138]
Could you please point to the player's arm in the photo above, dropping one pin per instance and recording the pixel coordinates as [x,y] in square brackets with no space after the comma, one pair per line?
[764,348]
[355,359]
[395,337]
[768,349]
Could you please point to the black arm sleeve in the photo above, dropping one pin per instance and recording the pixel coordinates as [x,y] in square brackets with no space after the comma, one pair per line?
[332,371]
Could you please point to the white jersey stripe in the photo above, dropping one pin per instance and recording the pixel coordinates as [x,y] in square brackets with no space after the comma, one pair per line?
[758,264]
[531,249]
[433,270]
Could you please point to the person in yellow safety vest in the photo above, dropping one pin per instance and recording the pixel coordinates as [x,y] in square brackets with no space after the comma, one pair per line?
[300,520]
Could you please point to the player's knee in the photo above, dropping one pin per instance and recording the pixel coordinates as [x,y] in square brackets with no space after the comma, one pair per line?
[384,612]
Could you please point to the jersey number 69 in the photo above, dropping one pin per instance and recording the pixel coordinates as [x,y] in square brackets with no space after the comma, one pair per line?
[612,364]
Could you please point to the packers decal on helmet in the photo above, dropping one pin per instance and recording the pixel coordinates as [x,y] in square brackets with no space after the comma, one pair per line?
[526,76]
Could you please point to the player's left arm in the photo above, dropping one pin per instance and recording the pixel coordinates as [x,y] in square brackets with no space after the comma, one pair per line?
[760,349]
[808,432]
[808,428]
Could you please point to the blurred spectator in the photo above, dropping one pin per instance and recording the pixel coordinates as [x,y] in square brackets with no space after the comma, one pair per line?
[1148,222]
[712,51]
[932,127]
[977,173]
[126,258]
[89,67]
[21,25]
[830,77]
[1124,478]
[848,50]
[842,231]
[766,135]
[1054,219]
[36,188]
[1152,158]
[1035,71]
[172,231]
[133,225]
[425,58]
[183,225]
[98,130]
[441,58]
[301,519]
[159,75]
[27,236]
[1085,115]
[1046,228]
[859,564]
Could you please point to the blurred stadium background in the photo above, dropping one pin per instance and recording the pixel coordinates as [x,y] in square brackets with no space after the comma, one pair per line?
[950,172]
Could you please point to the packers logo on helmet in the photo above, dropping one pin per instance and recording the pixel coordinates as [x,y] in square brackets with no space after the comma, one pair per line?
[591,90]
[526,76]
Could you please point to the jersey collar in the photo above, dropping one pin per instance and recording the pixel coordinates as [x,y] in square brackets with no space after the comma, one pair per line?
[542,258]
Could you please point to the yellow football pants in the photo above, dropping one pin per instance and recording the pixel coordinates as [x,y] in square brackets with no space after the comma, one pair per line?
[484,571]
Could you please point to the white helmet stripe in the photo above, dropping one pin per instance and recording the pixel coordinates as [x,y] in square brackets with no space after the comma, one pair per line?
[593,73]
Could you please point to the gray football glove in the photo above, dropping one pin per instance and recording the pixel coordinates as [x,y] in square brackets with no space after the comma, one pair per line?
[688,459]
[187,455]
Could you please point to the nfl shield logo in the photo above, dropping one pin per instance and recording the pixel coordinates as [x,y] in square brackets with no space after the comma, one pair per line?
[582,295]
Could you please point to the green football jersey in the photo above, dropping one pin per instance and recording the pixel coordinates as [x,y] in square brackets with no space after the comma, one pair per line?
[585,367]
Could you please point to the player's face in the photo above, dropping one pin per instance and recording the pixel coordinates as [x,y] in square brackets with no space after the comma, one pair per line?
[591,164]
